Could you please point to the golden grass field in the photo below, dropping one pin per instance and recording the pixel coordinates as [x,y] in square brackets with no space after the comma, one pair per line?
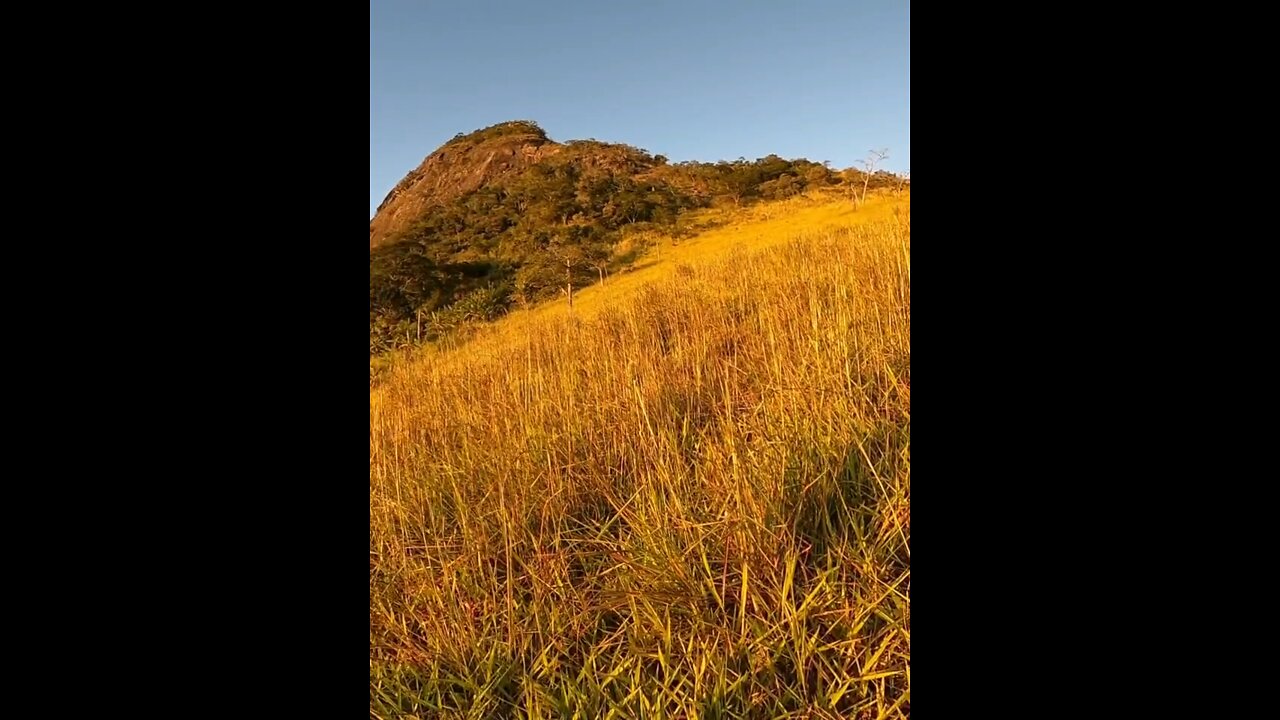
[689,497]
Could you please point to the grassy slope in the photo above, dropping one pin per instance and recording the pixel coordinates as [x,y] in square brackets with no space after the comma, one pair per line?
[688,498]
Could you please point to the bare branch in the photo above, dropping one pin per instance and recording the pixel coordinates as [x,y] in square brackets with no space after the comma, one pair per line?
[874,157]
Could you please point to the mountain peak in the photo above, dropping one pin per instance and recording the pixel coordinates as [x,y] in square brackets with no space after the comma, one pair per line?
[461,165]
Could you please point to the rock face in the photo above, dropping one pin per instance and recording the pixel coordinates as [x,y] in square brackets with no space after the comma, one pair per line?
[458,167]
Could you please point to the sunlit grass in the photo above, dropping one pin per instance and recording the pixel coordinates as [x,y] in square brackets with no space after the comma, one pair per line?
[688,498]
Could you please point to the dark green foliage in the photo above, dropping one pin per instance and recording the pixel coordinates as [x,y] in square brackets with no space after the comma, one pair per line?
[479,305]
[781,187]
[527,236]
[770,178]
[818,176]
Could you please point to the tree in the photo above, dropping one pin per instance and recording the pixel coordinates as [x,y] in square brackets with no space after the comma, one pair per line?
[784,186]
[600,265]
[817,176]
[874,158]
[904,179]
[740,179]
[573,257]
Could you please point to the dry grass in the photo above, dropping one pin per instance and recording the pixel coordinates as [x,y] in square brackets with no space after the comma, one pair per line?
[689,501]
[726,230]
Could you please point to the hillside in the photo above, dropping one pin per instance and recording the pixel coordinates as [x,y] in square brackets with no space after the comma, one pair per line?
[505,218]
[687,497]
[712,235]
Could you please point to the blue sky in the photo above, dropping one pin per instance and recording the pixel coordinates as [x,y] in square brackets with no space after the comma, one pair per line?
[689,79]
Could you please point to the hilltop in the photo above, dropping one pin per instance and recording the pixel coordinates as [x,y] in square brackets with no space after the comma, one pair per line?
[458,167]
[505,217]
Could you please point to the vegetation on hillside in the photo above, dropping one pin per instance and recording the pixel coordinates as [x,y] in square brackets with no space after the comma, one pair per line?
[554,226]
[694,503]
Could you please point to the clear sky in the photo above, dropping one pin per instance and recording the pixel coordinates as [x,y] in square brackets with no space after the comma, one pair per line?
[690,79]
